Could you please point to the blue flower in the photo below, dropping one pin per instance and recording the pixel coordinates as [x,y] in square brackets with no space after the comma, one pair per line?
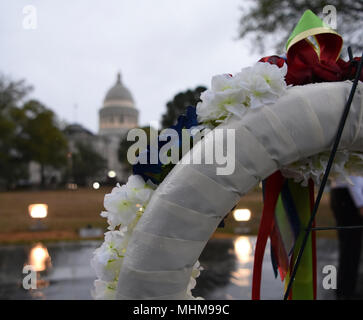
[157,172]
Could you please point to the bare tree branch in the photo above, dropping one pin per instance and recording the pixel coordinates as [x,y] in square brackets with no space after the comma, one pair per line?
[268,23]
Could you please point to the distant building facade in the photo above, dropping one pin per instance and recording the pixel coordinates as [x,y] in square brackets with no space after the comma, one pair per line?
[117,116]
[118,113]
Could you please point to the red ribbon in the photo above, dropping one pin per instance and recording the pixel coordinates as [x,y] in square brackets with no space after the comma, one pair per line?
[307,64]
[273,188]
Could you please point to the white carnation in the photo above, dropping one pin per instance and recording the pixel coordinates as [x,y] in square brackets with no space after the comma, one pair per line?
[107,259]
[273,76]
[346,163]
[124,202]
[138,190]
[265,82]
[197,268]
[124,206]
[230,96]
[226,98]
[104,290]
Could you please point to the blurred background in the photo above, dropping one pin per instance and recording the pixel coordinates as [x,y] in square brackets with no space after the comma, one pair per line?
[75,77]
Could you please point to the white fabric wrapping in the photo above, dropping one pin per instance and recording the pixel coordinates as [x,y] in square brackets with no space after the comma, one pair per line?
[188,206]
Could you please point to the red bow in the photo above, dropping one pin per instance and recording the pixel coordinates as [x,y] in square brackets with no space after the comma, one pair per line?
[309,63]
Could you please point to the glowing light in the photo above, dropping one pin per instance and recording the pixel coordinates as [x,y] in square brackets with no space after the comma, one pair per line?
[38,210]
[96,185]
[39,258]
[111,174]
[243,248]
[242,214]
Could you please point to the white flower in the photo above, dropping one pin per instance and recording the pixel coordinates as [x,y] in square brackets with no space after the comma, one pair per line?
[126,201]
[264,82]
[115,239]
[226,98]
[260,92]
[124,206]
[191,285]
[273,75]
[346,163]
[197,268]
[223,82]
[230,96]
[355,163]
[120,210]
[114,219]
[137,189]
[107,259]
[104,290]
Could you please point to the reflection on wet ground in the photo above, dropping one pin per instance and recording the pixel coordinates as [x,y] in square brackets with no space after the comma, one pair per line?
[63,270]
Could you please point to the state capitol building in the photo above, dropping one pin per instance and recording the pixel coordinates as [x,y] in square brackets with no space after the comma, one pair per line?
[117,116]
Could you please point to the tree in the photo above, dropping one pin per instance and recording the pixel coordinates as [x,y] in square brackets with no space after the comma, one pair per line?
[263,20]
[39,137]
[12,163]
[125,145]
[179,104]
[86,164]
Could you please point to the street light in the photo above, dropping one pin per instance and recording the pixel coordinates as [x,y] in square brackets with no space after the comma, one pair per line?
[111,174]
[38,211]
[242,214]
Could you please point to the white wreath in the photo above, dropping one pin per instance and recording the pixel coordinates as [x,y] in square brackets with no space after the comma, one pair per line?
[155,255]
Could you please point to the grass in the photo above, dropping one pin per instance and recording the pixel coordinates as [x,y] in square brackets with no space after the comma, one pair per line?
[68,211]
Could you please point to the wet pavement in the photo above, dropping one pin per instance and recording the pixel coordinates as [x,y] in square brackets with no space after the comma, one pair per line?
[64,271]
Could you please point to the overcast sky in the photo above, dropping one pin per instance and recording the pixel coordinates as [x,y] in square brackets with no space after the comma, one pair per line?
[161,47]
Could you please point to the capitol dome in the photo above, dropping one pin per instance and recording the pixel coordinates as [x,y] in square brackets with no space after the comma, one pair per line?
[118,113]
[119,92]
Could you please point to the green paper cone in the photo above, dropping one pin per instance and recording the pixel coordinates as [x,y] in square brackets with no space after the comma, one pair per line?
[309,24]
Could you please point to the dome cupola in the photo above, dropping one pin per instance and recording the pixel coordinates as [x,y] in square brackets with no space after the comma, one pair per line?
[118,113]
[119,93]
